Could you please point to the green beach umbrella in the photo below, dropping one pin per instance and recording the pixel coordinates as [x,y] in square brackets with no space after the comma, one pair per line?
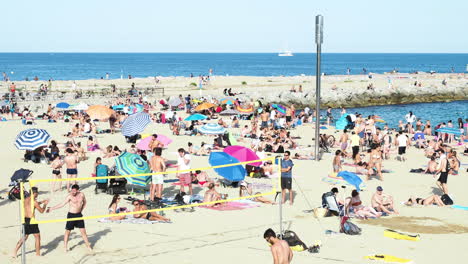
[129,164]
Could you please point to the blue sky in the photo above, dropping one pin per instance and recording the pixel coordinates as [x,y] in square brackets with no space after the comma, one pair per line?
[233,26]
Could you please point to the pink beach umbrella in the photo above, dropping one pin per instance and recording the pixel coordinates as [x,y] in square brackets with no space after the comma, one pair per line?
[143,144]
[243,154]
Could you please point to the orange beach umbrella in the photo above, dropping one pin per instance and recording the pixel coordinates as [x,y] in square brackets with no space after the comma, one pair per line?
[100,112]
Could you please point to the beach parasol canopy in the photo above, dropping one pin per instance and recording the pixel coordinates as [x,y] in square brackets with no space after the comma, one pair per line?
[21,175]
[232,173]
[245,109]
[227,101]
[174,101]
[81,107]
[450,130]
[118,107]
[100,112]
[243,154]
[418,135]
[31,139]
[62,105]
[143,144]
[128,164]
[204,106]
[280,108]
[229,112]
[212,129]
[135,124]
[195,117]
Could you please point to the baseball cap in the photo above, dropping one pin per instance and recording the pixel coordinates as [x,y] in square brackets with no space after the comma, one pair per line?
[379,188]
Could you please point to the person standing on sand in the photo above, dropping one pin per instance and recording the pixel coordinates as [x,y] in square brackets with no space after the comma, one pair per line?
[280,250]
[71,160]
[183,163]
[444,170]
[286,177]
[30,229]
[288,117]
[157,164]
[344,141]
[402,142]
[77,203]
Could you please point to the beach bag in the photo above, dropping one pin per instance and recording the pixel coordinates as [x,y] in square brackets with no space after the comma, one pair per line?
[446,199]
[349,228]
[294,242]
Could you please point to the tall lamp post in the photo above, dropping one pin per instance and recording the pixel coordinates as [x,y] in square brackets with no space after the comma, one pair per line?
[318,42]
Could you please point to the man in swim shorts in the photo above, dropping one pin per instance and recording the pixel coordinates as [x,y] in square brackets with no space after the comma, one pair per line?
[77,203]
[157,164]
[71,160]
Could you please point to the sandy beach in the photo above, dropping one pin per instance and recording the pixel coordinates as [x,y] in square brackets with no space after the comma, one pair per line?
[209,236]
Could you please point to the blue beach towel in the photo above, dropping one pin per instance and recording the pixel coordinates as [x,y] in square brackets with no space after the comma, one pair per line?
[460,207]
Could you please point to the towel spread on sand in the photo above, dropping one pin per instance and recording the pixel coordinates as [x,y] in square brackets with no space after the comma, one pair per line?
[131,221]
[232,206]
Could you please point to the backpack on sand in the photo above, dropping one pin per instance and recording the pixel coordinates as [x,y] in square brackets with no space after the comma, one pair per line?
[349,228]
[294,242]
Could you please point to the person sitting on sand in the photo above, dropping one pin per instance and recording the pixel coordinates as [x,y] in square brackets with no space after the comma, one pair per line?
[245,189]
[81,153]
[382,202]
[92,144]
[108,152]
[454,163]
[115,209]
[431,200]
[152,216]
[211,195]
[354,205]
[431,166]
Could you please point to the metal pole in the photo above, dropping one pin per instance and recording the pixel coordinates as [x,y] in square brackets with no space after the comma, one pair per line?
[280,198]
[318,41]
[23,235]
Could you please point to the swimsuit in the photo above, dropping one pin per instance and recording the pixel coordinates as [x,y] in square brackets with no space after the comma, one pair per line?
[56,172]
[72,171]
[419,199]
[30,229]
[70,225]
[148,216]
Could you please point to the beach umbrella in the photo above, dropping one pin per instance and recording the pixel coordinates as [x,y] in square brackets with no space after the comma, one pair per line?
[128,163]
[212,129]
[21,175]
[243,154]
[80,107]
[204,106]
[227,101]
[118,107]
[143,144]
[418,135]
[245,110]
[232,173]
[197,101]
[137,108]
[62,105]
[195,117]
[229,112]
[135,124]
[280,108]
[174,101]
[99,112]
[31,139]
[450,130]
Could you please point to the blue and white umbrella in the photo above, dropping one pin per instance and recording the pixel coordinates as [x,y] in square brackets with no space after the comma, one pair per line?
[31,139]
[212,129]
[63,105]
[135,124]
[133,164]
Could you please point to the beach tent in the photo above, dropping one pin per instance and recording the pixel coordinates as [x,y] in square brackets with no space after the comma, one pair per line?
[232,173]
[342,122]
[128,164]
[143,144]
[135,124]
[212,129]
[243,154]
[31,139]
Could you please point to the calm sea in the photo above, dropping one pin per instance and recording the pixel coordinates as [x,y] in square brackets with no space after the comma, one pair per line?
[76,66]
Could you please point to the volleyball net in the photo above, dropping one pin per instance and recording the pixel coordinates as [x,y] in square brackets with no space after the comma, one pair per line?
[98,201]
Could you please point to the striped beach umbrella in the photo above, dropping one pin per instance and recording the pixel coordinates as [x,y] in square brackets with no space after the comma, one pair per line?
[212,129]
[31,139]
[129,164]
[135,124]
[80,107]
[227,101]
[195,117]
[245,109]
[280,108]
[63,105]
[100,112]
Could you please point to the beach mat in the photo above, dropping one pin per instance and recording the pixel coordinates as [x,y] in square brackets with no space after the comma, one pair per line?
[400,236]
[131,221]
[388,259]
[459,207]
[231,206]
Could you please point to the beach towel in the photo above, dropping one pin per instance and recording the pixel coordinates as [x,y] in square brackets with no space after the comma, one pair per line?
[131,221]
[459,207]
[350,165]
[231,206]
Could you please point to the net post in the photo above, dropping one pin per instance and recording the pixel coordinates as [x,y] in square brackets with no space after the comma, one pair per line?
[279,192]
[23,235]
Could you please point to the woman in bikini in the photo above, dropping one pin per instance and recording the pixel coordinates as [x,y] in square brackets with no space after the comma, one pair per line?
[431,200]
[211,195]
[115,209]
[56,165]
[355,206]
[376,161]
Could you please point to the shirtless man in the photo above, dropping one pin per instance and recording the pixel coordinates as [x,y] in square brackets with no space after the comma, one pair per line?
[71,160]
[289,114]
[280,250]
[155,143]
[77,203]
[344,141]
[431,166]
[152,216]
[382,202]
[157,164]
[265,116]
[28,228]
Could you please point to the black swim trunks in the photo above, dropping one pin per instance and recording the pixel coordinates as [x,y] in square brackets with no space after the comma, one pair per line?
[288,119]
[76,223]
[30,229]
[401,150]
[264,124]
[72,171]
[56,172]
[443,177]
[286,183]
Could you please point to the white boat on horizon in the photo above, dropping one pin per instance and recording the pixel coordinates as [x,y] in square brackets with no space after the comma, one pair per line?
[286,53]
